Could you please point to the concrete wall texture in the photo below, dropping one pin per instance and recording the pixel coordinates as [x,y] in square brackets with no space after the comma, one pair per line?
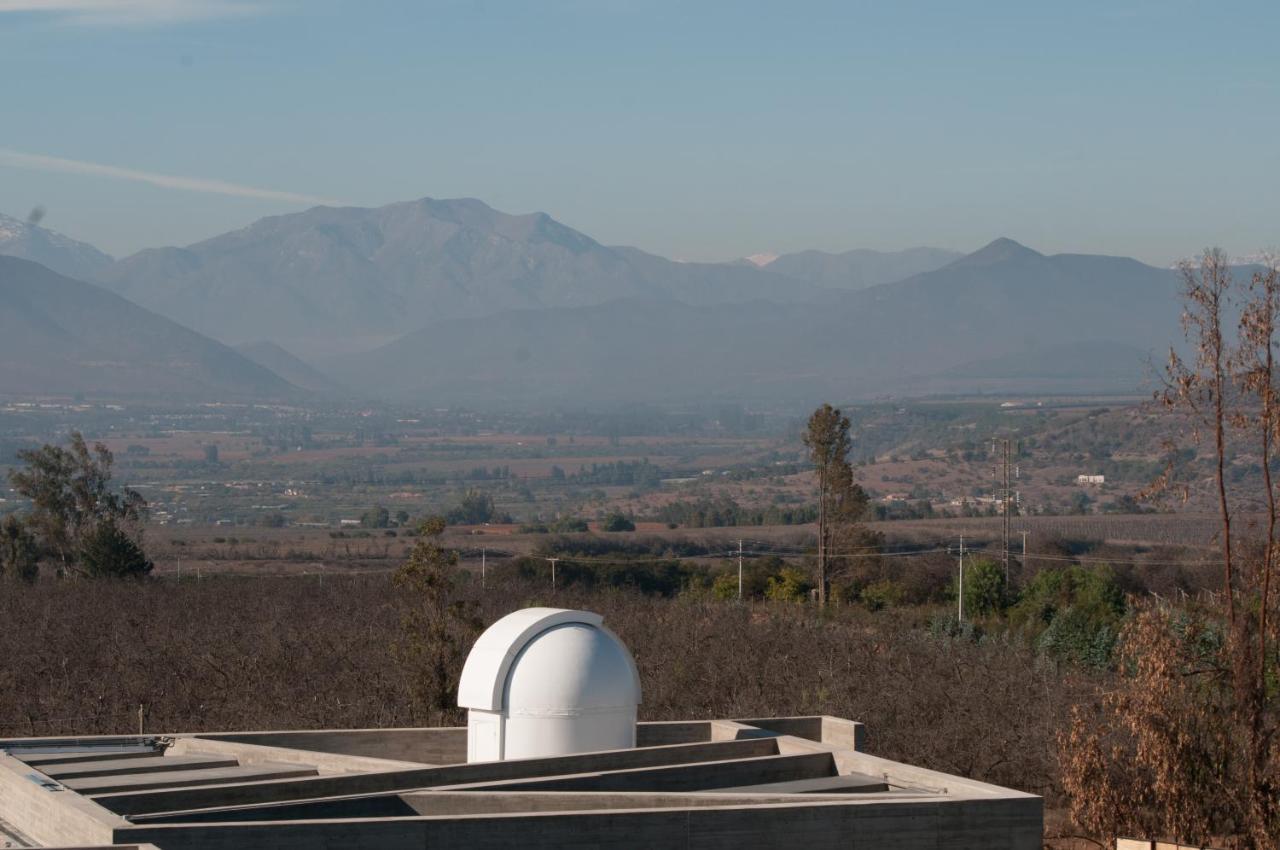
[754,783]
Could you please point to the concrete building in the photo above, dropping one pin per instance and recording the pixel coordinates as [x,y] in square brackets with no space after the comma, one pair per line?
[535,778]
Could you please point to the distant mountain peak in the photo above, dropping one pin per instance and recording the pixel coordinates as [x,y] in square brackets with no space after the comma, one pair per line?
[328,278]
[29,241]
[761,260]
[1000,250]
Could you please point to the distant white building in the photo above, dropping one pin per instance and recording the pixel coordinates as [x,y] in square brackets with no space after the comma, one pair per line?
[1091,480]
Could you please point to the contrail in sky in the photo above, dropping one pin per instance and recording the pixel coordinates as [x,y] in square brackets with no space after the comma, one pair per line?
[112,12]
[40,162]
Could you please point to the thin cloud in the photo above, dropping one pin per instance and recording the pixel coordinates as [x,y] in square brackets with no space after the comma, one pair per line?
[40,162]
[110,12]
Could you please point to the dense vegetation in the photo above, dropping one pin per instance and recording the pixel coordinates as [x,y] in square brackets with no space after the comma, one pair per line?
[294,653]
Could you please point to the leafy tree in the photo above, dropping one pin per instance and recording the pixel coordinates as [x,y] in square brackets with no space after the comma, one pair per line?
[984,589]
[617,522]
[19,555]
[725,586]
[211,454]
[274,519]
[376,517]
[71,495]
[437,628]
[885,593]
[476,508]
[1072,614]
[108,552]
[1076,637]
[569,525]
[789,585]
[1095,591]
[841,502]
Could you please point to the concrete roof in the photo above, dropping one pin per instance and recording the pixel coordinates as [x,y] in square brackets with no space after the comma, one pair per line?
[754,783]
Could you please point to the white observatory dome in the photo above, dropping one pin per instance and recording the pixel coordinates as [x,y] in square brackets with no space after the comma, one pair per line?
[546,682]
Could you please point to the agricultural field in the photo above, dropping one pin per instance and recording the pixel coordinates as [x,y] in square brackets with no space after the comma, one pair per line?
[293,490]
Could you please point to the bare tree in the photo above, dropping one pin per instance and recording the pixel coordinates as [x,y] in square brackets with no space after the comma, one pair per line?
[437,627]
[1259,419]
[1183,743]
[1201,385]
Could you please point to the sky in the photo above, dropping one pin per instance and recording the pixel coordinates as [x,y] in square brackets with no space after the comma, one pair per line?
[696,129]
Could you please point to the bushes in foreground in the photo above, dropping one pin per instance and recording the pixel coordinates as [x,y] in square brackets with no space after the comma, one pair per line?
[257,653]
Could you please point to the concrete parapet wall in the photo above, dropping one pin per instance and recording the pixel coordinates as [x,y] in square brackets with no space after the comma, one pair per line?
[446,745]
[403,780]
[662,733]
[258,753]
[960,825]
[51,815]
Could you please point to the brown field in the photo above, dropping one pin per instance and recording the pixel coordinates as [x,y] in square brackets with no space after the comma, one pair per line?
[313,551]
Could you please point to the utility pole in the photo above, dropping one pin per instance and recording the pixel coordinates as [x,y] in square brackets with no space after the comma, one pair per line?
[1024,550]
[822,538]
[960,595]
[1005,494]
[482,565]
[739,570]
[552,561]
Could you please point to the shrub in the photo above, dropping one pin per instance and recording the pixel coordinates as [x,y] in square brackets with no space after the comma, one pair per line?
[617,522]
[569,525]
[725,586]
[984,589]
[108,552]
[885,593]
[789,585]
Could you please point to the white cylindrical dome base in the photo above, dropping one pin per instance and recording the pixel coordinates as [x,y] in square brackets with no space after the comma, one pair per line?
[570,690]
[548,682]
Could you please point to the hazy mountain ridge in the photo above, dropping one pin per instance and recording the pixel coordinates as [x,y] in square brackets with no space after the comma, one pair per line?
[330,280]
[64,336]
[49,248]
[331,274]
[860,268]
[997,306]
[292,368]
[455,301]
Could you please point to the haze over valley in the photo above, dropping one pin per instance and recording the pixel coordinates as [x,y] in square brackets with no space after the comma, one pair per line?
[452,301]
[481,406]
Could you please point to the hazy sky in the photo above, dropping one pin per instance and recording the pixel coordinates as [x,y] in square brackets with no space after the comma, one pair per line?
[696,129]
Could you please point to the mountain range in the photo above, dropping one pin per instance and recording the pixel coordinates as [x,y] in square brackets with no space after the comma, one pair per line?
[62,254]
[60,336]
[341,279]
[453,301]
[956,329]
[331,280]
[860,268]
